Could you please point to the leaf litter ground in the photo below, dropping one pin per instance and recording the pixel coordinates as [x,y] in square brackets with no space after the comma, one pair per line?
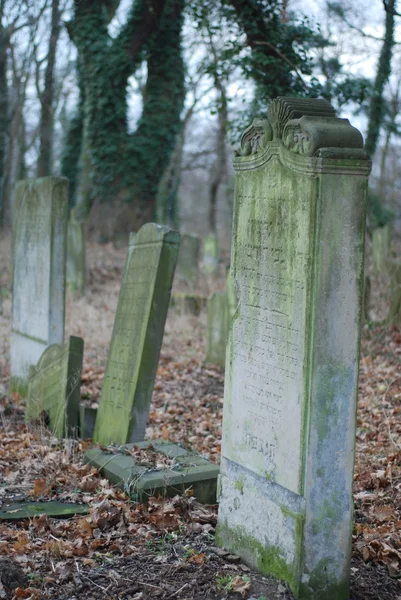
[165,548]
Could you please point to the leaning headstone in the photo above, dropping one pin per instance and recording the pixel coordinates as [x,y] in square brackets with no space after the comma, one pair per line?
[217,326]
[381,247]
[210,258]
[293,350]
[54,388]
[76,263]
[38,289]
[188,259]
[137,335]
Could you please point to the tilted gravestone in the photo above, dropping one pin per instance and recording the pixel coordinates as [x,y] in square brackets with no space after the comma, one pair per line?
[38,289]
[217,327]
[293,350]
[188,259]
[76,263]
[137,335]
[54,388]
[210,258]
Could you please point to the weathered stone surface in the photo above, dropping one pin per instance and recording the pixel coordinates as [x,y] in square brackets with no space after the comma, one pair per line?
[381,247]
[141,482]
[137,335]
[39,254]
[217,328]
[54,388]
[293,349]
[210,258]
[231,296]
[393,268]
[76,262]
[188,259]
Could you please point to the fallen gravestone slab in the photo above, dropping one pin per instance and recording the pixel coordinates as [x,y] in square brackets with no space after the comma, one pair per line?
[156,468]
[54,388]
[38,289]
[293,349]
[137,335]
[28,510]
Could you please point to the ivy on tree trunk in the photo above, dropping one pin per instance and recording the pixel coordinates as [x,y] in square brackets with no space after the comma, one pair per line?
[130,166]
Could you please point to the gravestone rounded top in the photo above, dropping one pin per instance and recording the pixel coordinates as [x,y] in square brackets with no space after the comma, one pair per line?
[152,232]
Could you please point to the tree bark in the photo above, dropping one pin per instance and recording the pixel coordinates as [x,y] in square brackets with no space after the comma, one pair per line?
[376,108]
[44,165]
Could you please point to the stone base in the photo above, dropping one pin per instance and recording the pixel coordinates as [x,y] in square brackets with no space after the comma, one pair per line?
[270,540]
[140,482]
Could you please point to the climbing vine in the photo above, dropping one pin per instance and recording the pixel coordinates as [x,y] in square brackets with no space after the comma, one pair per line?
[130,165]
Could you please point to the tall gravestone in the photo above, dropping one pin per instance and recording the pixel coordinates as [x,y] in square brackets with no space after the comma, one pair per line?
[293,350]
[76,261]
[54,386]
[38,289]
[217,326]
[210,258]
[137,335]
[188,259]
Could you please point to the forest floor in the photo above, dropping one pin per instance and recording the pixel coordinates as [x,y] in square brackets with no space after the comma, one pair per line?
[165,549]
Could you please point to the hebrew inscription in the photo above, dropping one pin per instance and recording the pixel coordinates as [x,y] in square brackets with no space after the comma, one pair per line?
[271,267]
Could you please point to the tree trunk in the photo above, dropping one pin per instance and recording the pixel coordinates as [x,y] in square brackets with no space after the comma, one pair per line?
[376,108]
[44,166]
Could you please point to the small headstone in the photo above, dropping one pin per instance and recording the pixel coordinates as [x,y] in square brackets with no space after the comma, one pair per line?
[54,388]
[217,327]
[76,263]
[293,350]
[381,247]
[38,289]
[188,259]
[157,468]
[210,259]
[393,268]
[189,304]
[137,335]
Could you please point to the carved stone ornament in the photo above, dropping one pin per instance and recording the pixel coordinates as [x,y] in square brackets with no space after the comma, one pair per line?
[305,126]
[255,138]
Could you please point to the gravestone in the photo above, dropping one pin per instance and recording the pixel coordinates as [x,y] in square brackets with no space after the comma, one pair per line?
[210,258]
[137,335]
[188,259]
[54,388]
[189,304]
[38,289]
[293,349]
[76,263]
[217,326]
[381,247]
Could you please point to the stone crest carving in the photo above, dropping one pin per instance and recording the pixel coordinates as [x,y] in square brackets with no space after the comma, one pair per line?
[308,127]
